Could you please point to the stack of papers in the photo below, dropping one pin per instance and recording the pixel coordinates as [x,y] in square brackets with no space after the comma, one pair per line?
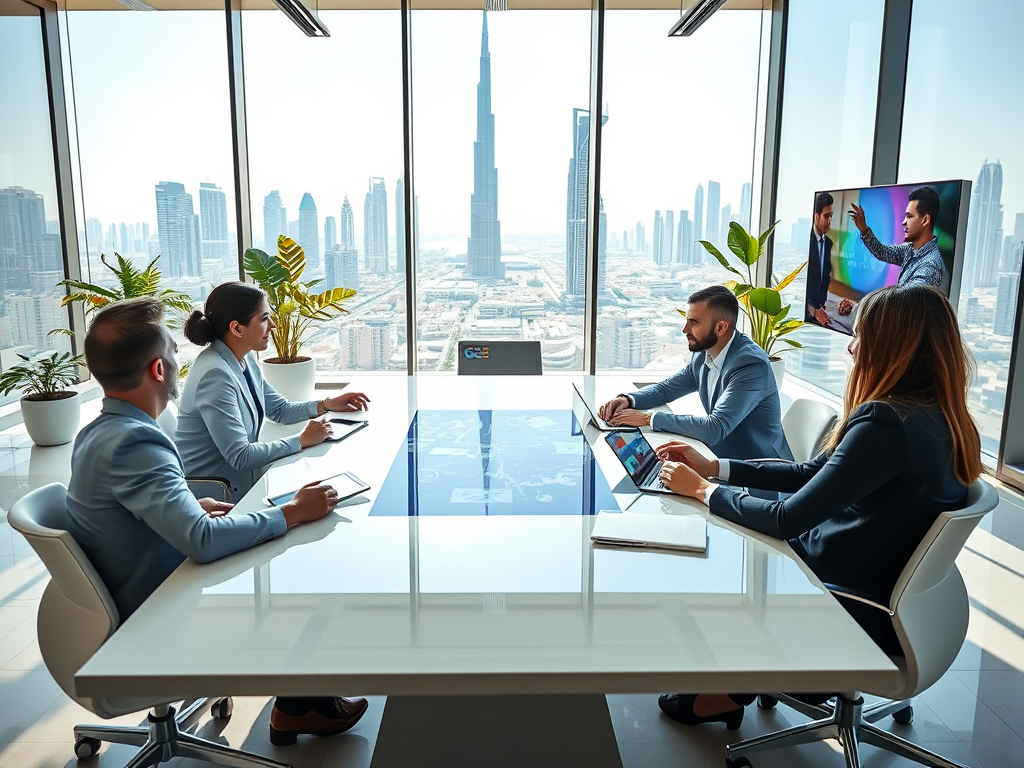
[686,533]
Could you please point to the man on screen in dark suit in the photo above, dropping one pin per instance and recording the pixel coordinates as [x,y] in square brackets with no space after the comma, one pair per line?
[819,261]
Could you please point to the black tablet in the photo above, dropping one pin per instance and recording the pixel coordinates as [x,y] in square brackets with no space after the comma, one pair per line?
[346,484]
[342,428]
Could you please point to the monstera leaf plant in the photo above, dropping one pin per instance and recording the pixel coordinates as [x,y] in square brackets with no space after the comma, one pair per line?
[770,323]
[293,306]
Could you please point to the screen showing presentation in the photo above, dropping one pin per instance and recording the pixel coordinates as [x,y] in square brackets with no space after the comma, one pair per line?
[865,239]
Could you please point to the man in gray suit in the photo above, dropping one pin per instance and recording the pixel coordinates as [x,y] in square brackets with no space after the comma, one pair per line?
[732,376]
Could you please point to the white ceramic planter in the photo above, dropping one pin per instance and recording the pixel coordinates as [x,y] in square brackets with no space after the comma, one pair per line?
[52,422]
[779,369]
[295,381]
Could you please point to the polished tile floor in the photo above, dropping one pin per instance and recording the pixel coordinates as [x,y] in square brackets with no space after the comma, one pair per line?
[975,714]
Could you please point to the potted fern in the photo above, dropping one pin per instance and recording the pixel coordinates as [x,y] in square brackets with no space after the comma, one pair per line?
[293,308]
[50,408]
[770,324]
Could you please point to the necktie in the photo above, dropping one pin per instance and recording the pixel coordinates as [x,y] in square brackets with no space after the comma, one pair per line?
[821,257]
[256,400]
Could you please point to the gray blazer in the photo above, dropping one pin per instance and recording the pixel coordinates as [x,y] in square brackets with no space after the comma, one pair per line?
[217,420]
[744,418]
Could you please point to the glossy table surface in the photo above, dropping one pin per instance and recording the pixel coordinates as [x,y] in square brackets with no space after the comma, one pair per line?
[483,603]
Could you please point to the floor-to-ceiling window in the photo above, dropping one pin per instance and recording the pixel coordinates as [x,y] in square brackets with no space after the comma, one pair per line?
[324,119]
[500,126]
[962,119]
[828,122]
[31,251]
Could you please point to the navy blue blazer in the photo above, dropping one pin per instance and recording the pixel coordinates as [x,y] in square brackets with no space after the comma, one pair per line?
[744,418]
[817,284]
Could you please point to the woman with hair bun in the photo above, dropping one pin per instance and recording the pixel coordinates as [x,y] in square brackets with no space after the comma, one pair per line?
[226,397]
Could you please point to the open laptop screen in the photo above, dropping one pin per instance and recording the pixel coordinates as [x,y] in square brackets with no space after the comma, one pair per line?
[633,450]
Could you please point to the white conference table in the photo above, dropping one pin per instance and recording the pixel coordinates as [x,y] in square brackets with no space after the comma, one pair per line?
[497,625]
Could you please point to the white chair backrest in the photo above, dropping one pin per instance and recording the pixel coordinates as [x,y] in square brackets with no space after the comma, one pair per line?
[168,420]
[76,613]
[930,599]
[805,424]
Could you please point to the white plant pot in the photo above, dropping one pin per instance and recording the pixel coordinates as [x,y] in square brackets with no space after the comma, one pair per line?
[779,369]
[52,422]
[295,381]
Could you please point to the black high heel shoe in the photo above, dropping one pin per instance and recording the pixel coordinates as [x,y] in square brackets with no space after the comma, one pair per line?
[679,706]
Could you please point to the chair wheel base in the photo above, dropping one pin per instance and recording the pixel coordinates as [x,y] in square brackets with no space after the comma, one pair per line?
[222,708]
[86,747]
[904,716]
[738,762]
[764,701]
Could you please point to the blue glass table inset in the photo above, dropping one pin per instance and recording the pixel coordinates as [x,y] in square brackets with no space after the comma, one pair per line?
[494,462]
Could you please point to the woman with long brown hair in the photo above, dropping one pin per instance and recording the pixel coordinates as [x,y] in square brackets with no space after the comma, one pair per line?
[905,450]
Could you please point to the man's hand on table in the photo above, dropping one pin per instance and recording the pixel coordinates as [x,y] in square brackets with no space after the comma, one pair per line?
[678,451]
[215,508]
[680,479]
[630,417]
[612,407]
[345,403]
[312,502]
[314,433]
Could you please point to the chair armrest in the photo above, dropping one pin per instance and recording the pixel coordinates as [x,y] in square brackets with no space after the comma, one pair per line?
[860,597]
[215,487]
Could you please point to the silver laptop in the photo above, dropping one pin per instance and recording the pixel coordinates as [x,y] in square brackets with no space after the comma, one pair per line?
[639,459]
[597,421]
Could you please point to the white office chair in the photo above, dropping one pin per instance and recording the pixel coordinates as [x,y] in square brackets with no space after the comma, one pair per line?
[215,487]
[929,610]
[806,424]
[500,358]
[76,616]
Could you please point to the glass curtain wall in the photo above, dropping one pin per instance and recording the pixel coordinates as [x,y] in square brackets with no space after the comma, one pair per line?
[500,115]
[31,260]
[961,122]
[324,120]
[831,90]
[154,143]
[676,168]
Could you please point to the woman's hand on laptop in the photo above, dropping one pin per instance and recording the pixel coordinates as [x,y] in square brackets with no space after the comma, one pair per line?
[680,479]
[677,450]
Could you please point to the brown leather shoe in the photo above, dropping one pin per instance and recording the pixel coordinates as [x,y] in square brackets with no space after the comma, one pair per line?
[337,716]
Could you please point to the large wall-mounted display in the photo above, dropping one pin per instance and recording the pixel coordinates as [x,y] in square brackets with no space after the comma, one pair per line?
[867,238]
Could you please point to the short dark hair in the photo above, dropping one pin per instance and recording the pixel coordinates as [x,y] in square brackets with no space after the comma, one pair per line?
[227,303]
[123,340]
[720,300]
[821,200]
[927,200]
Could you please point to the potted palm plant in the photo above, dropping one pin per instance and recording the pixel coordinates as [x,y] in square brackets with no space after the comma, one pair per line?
[293,308]
[50,408]
[770,324]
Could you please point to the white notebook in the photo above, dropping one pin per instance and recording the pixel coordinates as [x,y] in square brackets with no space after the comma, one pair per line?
[688,533]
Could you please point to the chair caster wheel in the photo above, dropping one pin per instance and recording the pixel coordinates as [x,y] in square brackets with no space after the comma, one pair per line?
[764,701]
[904,716]
[739,762]
[222,708]
[86,747]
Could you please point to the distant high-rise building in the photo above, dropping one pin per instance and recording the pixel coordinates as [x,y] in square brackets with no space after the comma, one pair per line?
[94,236]
[668,239]
[342,264]
[484,246]
[745,206]
[213,221]
[309,231]
[576,206]
[1015,249]
[347,233]
[712,228]
[1006,304]
[25,244]
[367,343]
[330,233]
[698,213]
[726,219]
[659,232]
[176,228]
[275,221]
[684,239]
[375,227]
[110,244]
[400,222]
[126,247]
[641,238]
[985,230]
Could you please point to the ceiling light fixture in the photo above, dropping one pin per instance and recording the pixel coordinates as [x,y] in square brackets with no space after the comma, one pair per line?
[304,19]
[696,15]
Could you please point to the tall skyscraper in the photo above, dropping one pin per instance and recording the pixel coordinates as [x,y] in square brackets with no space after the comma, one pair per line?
[726,219]
[309,231]
[25,245]
[576,206]
[985,230]
[213,221]
[659,231]
[745,206]
[126,247]
[342,264]
[176,228]
[712,227]
[94,235]
[375,227]
[330,233]
[1006,304]
[684,239]
[484,246]
[698,213]
[668,239]
[347,235]
[641,238]
[275,221]
[400,222]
